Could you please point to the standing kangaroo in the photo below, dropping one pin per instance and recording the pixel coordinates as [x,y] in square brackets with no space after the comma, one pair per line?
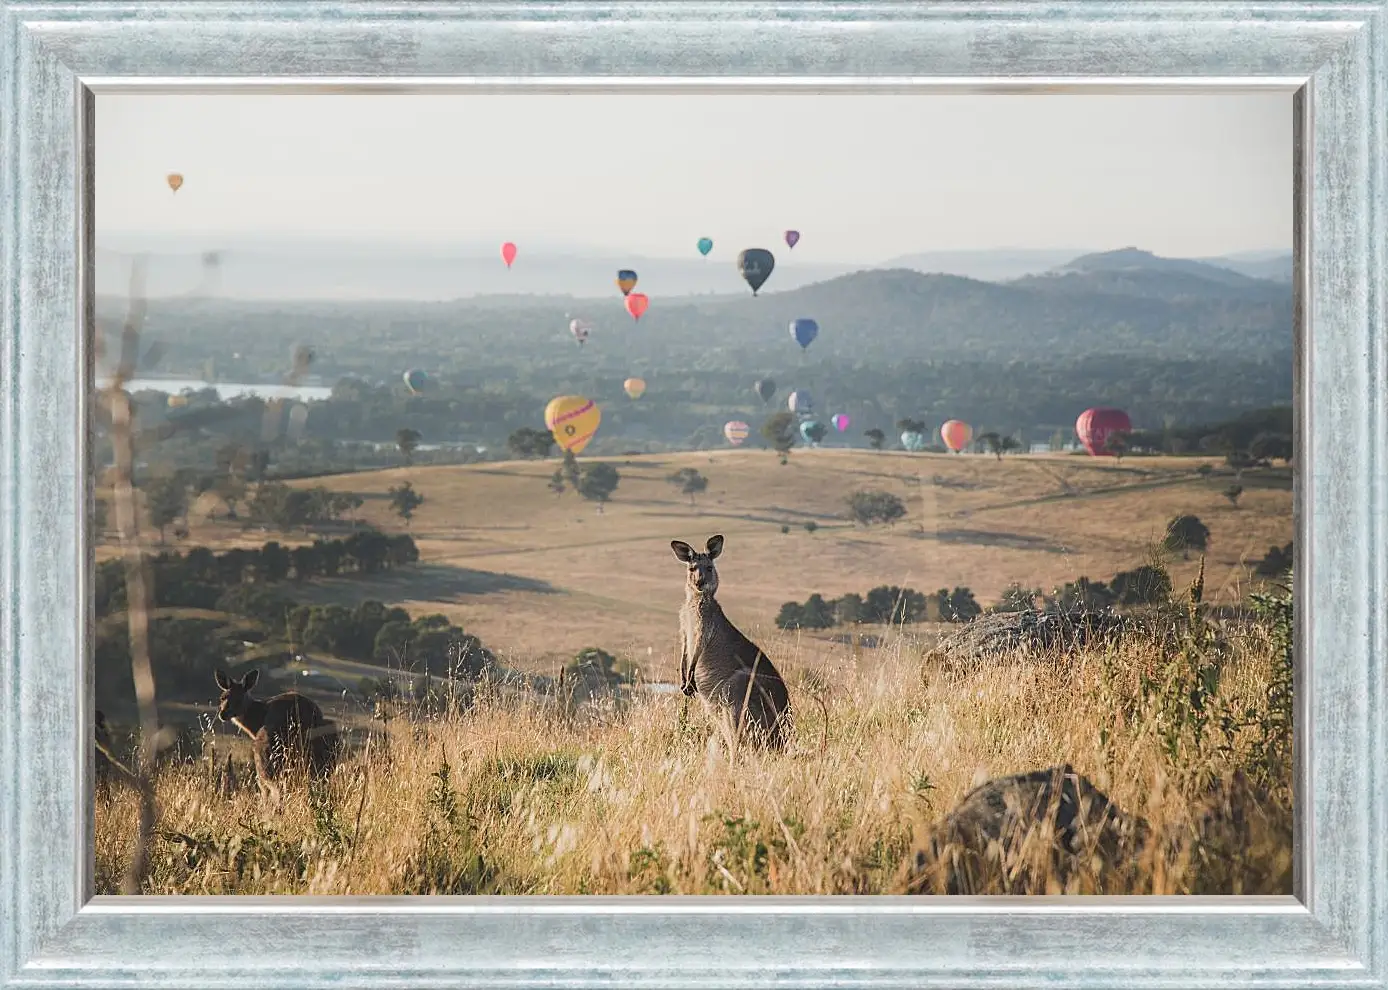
[287,725]
[718,662]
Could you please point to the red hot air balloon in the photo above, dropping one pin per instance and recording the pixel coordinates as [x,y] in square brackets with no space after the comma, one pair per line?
[508,253]
[1096,425]
[637,304]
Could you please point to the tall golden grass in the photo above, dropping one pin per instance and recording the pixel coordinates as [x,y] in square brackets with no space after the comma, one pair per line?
[525,794]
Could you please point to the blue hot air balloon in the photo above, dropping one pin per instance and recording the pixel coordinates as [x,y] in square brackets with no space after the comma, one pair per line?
[705,246]
[755,266]
[800,402]
[913,441]
[804,330]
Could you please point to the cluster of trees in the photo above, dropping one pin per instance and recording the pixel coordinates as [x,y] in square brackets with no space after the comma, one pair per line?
[882,605]
[594,480]
[200,577]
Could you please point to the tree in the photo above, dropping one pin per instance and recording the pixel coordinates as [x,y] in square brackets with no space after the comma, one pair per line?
[231,489]
[407,440]
[875,438]
[100,511]
[958,605]
[1016,598]
[1118,443]
[166,500]
[997,444]
[404,500]
[1185,533]
[598,482]
[572,474]
[689,482]
[1232,493]
[1277,561]
[811,526]
[872,505]
[779,432]
[556,481]
[908,425]
[527,443]
[1271,447]
[1143,585]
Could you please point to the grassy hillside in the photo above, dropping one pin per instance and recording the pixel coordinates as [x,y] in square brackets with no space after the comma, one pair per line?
[539,577]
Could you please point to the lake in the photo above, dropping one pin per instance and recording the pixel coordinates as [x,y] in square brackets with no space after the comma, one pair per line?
[228,390]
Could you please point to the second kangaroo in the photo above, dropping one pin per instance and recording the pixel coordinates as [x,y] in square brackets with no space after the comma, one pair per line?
[283,728]
[718,662]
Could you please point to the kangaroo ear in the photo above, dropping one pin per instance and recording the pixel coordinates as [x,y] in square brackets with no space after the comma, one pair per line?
[714,546]
[683,550]
[223,681]
[251,677]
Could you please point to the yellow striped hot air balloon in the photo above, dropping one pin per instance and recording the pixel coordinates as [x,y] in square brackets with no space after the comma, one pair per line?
[634,387]
[573,420]
[736,431]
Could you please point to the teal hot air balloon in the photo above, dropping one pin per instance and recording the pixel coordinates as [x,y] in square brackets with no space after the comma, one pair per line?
[812,430]
[756,265]
[913,441]
[414,380]
[804,330]
[705,245]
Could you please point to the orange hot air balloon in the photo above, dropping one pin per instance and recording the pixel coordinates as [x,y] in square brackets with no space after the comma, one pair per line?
[573,420]
[508,253]
[637,304]
[956,434]
[635,387]
[175,180]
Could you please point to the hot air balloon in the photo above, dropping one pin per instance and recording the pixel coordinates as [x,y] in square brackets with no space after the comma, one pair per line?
[956,434]
[175,180]
[626,281]
[736,431]
[637,304]
[841,421]
[414,380]
[766,388]
[298,419]
[705,246]
[812,430]
[508,253]
[635,387]
[573,420]
[792,238]
[756,265]
[1096,425]
[912,440]
[800,402]
[804,330]
[177,401]
[580,328]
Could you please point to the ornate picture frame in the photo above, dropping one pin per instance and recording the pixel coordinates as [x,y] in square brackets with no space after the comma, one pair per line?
[54,59]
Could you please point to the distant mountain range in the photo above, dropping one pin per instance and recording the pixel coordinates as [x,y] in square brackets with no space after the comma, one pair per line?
[326,270]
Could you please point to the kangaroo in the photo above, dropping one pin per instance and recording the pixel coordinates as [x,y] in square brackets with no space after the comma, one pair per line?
[287,725]
[718,662]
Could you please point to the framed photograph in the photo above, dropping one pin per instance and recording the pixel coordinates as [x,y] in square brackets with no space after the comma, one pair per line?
[693,495]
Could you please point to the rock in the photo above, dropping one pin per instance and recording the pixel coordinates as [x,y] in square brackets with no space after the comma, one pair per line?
[1030,833]
[997,633]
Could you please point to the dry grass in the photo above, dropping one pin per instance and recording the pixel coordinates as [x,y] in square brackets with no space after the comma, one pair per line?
[540,577]
[526,796]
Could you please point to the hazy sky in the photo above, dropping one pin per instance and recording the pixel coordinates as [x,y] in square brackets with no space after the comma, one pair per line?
[864,178]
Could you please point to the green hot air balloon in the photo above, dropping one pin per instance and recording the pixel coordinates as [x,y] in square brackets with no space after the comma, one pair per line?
[756,265]
[705,245]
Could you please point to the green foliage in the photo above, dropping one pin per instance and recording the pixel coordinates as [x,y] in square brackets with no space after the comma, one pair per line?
[958,605]
[1273,746]
[869,506]
[779,431]
[875,438]
[1016,598]
[404,500]
[1147,584]
[885,604]
[528,443]
[277,504]
[1278,560]
[598,481]
[407,440]
[689,482]
[1185,533]
[1232,493]
[166,501]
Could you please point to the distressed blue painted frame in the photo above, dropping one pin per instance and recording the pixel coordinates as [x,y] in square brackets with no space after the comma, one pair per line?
[53,56]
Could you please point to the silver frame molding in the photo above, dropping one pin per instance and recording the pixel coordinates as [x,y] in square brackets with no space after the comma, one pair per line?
[55,56]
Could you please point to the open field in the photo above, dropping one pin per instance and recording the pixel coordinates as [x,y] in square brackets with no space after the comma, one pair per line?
[539,577]
[531,797]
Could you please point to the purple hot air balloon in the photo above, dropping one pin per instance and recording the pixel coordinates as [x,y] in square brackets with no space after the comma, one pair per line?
[841,421]
[792,238]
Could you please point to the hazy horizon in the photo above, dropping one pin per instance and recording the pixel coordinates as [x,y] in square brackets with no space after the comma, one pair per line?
[864,178]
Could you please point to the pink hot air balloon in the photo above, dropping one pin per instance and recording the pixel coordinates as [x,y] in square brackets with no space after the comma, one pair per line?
[792,238]
[956,434]
[508,253]
[1095,426]
[637,304]
[841,421]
